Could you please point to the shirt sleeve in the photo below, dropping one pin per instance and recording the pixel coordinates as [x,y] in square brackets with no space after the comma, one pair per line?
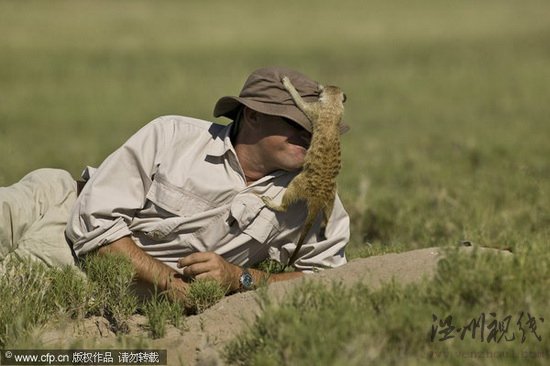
[108,202]
[327,252]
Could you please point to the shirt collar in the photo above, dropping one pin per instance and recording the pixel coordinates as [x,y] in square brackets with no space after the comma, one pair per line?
[222,142]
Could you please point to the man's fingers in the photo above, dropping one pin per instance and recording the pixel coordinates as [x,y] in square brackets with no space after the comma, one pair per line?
[196,269]
[194,258]
[210,265]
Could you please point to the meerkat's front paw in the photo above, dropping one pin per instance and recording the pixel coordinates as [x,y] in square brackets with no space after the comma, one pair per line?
[286,82]
[271,204]
[267,201]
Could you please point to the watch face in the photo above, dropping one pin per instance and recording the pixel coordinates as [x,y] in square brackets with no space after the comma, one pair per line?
[246,280]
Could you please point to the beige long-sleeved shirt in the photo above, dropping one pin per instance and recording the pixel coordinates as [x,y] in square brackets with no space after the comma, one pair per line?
[177,188]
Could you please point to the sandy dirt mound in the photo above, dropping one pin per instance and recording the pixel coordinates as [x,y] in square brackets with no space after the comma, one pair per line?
[204,335]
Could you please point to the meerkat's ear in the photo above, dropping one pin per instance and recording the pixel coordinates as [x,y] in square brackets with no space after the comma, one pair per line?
[344,97]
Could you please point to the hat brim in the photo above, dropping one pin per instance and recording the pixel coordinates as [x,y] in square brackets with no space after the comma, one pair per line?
[229,107]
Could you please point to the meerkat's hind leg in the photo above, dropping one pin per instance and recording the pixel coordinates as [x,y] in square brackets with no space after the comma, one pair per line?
[326,212]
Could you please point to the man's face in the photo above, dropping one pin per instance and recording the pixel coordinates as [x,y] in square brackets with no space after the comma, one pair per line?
[284,142]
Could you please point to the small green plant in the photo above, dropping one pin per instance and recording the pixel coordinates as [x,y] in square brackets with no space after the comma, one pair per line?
[111,277]
[160,310]
[203,294]
[69,292]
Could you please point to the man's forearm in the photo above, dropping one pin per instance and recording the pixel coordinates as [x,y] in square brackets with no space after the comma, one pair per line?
[155,273]
[149,271]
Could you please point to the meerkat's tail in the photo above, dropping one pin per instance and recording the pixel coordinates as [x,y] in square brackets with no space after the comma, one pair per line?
[310,219]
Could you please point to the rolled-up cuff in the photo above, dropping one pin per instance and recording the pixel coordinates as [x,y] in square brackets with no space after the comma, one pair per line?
[99,237]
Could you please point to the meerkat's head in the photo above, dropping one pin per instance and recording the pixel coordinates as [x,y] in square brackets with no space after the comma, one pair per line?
[333,94]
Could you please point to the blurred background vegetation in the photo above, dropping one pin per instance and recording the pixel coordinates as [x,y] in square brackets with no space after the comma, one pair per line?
[448,101]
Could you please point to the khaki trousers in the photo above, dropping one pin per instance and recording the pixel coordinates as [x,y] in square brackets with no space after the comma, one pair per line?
[33,216]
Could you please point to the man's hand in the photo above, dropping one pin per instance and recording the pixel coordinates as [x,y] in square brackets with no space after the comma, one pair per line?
[211,265]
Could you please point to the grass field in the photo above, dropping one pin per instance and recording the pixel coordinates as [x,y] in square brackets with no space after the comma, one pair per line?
[448,104]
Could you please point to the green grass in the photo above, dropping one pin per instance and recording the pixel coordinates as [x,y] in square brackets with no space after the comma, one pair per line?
[357,326]
[203,294]
[160,311]
[110,278]
[448,107]
[34,295]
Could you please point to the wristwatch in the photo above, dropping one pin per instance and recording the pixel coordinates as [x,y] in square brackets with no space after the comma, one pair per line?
[246,281]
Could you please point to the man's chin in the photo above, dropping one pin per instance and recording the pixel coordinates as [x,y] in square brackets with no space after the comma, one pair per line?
[296,167]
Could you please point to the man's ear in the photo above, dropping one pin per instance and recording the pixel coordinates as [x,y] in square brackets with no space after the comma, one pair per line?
[251,115]
[250,129]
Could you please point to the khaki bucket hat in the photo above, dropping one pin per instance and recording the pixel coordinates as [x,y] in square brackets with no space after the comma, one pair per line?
[264,92]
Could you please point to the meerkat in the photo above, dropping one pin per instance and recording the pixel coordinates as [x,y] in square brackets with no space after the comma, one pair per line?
[316,183]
